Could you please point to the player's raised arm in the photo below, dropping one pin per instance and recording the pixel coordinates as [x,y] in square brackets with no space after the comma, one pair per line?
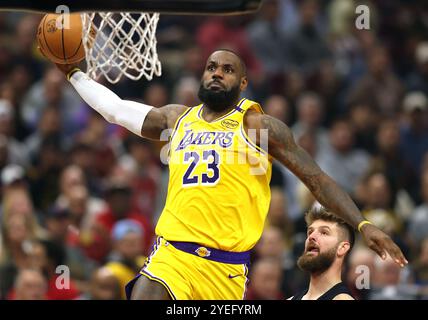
[281,146]
[139,118]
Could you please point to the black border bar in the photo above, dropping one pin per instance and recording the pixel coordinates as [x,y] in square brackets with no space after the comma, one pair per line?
[162,6]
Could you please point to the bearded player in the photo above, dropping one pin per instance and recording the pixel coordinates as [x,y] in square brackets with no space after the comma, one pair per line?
[329,241]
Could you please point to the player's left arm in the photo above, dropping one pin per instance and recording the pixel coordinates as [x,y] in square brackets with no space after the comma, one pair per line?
[282,147]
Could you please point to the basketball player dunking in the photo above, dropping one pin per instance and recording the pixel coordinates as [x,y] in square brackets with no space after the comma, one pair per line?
[216,208]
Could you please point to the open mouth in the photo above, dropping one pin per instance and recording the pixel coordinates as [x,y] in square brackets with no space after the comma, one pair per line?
[313,249]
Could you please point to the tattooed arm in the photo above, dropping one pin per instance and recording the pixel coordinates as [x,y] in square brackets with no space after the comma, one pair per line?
[159,119]
[282,147]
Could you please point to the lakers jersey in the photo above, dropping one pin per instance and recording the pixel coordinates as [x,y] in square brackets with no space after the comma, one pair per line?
[218,192]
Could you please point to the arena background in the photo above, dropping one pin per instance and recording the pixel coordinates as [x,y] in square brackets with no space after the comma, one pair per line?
[80,193]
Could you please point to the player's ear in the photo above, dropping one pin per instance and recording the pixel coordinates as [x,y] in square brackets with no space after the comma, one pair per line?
[244,83]
[343,248]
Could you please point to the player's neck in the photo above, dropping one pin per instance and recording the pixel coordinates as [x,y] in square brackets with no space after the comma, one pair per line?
[209,114]
[320,283]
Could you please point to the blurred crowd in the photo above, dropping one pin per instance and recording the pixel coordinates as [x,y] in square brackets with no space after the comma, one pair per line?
[80,192]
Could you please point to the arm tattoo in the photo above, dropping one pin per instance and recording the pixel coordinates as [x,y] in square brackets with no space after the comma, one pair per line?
[284,149]
[159,119]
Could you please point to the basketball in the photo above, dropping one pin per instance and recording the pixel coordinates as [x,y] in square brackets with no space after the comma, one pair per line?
[59,38]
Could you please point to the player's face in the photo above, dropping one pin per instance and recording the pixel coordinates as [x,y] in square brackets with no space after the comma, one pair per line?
[321,246]
[222,81]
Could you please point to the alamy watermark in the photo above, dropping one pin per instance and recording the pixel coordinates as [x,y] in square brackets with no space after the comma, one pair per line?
[215,148]
[63,21]
[362,281]
[62,281]
[362,22]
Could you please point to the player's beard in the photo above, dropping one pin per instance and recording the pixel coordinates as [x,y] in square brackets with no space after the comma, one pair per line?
[219,100]
[318,263]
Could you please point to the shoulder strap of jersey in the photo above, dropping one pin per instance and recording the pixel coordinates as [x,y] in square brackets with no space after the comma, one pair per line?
[246,104]
[243,108]
[334,291]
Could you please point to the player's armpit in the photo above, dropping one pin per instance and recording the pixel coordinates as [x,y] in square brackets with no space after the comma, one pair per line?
[159,119]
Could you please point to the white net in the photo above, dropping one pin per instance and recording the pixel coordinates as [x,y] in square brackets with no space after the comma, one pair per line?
[121,44]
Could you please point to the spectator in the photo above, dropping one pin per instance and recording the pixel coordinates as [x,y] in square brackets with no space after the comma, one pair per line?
[156,95]
[277,215]
[365,123]
[193,65]
[265,278]
[278,107]
[359,273]
[310,113]
[307,47]
[271,244]
[268,40]
[144,174]
[341,161]
[44,172]
[118,197]
[19,227]
[379,197]
[13,176]
[417,80]
[379,87]
[30,285]
[17,153]
[414,134]
[418,221]
[58,222]
[420,269]
[186,91]
[104,286]
[48,126]
[13,90]
[389,159]
[48,256]
[75,197]
[83,155]
[52,91]
[126,258]
[386,281]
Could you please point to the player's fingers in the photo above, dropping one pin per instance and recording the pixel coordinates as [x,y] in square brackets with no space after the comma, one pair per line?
[396,254]
[378,249]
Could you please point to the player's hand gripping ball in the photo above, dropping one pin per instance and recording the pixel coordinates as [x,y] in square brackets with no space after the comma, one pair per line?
[59,38]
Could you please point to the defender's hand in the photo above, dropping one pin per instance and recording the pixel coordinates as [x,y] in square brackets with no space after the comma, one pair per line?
[382,244]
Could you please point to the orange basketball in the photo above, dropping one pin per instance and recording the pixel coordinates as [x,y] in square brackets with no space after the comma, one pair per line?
[59,38]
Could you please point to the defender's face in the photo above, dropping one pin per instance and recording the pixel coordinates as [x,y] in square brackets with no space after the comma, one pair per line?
[223,72]
[322,236]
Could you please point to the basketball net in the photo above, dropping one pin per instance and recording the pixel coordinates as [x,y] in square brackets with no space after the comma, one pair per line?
[121,44]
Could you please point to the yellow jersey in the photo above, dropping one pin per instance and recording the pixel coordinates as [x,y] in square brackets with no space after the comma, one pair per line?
[218,192]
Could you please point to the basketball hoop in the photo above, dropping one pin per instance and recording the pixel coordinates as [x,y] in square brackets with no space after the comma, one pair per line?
[121,44]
